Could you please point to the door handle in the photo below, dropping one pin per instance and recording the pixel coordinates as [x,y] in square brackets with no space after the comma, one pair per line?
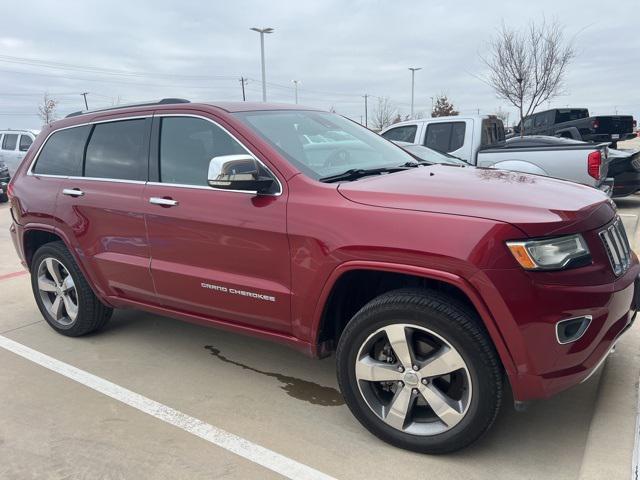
[164,202]
[73,192]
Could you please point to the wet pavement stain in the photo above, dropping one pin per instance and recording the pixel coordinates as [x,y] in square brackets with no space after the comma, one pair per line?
[295,387]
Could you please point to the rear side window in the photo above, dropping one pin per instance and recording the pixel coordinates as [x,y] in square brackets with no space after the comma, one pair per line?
[445,136]
[406,133]
[117,150]
[62,154]
[492,132]
[187,145]
[25,142]
[570,114]
[528,124]
[10,141]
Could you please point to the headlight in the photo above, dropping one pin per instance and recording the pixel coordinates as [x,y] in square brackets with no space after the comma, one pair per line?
[550,254]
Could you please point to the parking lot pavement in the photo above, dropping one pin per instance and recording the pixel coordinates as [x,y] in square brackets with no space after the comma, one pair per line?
[53,427]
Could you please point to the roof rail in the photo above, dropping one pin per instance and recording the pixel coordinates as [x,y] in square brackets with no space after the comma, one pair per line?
[164,101]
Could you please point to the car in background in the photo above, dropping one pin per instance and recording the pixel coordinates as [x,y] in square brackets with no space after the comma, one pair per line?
[576,123]
[623,168]
[14,145]
[480,141]
[4,182]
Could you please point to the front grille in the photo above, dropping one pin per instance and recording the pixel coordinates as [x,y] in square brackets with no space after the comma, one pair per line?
[617,246]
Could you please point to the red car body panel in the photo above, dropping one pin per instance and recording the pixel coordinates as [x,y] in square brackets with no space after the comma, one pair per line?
[443,223]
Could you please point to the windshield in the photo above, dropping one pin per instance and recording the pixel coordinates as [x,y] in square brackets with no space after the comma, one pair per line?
[323,144]
[431,156]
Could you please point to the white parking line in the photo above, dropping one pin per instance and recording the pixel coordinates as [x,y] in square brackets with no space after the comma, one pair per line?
[240,446]
[636,443]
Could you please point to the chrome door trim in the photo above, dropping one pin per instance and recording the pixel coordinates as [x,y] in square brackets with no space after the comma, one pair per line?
[280,188]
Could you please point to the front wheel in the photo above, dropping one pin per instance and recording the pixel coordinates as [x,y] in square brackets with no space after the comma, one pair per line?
[417,370]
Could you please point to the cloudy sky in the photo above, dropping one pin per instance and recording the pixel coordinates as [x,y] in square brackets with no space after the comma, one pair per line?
[125,51]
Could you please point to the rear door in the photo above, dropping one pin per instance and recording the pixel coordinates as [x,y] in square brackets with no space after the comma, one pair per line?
[215,253]
[100,207]
[449,137]
[9,148]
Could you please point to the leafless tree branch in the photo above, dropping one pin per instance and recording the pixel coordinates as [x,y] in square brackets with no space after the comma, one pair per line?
[527,68]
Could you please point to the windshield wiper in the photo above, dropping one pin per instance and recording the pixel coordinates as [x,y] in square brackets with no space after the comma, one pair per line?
[355,173]
[416,163]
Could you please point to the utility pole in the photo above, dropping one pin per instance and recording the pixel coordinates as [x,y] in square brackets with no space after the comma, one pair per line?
[366,114]
[262,31]
[413,74]
[86,105]
[431,114]
[295,83]
[243,82]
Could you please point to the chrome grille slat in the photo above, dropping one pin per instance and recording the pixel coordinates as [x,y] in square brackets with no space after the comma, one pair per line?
[615,241]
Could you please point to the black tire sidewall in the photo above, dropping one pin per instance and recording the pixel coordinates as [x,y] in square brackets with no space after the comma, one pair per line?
[91,314]
[483,378]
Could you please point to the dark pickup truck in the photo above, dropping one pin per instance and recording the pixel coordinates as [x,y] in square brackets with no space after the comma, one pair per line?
[576,123]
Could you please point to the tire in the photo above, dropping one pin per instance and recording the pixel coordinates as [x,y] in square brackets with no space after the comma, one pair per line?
[442,328]
[4,198]
[69,306]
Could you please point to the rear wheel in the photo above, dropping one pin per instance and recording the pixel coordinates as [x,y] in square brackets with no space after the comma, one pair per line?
[63,295]
[419,372]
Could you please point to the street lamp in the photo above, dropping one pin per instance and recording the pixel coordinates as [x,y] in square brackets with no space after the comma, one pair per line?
[295,82]
[413,74]
[262,31]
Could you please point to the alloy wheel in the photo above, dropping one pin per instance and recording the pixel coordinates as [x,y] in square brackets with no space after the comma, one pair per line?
[413,379]
[58,291]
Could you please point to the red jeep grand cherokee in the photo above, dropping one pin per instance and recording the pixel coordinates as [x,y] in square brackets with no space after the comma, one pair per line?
[433,283]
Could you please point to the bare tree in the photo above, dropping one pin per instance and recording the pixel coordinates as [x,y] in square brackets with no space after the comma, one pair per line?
[443,107]
[527,68]
[383,114]
[502,115]
[47,109]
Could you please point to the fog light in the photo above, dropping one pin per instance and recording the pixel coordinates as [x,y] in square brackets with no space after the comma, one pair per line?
[572,329]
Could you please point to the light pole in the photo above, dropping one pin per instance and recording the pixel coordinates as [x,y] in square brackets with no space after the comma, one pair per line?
[86,105]
[262,31]
[413,74]
[295,83]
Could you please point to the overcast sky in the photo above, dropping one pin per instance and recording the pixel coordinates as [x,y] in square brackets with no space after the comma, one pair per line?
[123,51]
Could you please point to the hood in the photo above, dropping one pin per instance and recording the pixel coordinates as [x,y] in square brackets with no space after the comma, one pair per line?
[538,205]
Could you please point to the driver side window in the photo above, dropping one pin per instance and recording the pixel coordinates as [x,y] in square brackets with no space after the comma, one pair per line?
[187,144]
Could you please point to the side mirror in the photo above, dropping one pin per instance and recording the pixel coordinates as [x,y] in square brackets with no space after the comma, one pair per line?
[238,172]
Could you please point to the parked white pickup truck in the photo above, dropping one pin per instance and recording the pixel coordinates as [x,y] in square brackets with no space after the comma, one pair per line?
[479,140]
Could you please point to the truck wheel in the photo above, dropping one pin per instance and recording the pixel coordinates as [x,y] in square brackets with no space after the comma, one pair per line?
[418,371]
[63,295]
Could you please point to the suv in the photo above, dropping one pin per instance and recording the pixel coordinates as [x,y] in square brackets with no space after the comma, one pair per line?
[434,284]
[14,145]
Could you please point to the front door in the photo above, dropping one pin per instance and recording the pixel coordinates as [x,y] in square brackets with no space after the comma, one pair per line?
[217,254]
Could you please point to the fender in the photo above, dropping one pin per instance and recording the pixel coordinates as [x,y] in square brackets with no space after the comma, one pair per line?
[572,132]
[74,253]
[442,276]
[520,166]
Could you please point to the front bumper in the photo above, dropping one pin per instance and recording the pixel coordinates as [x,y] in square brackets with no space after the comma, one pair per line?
[4,183]
[527,320]
[626,183]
